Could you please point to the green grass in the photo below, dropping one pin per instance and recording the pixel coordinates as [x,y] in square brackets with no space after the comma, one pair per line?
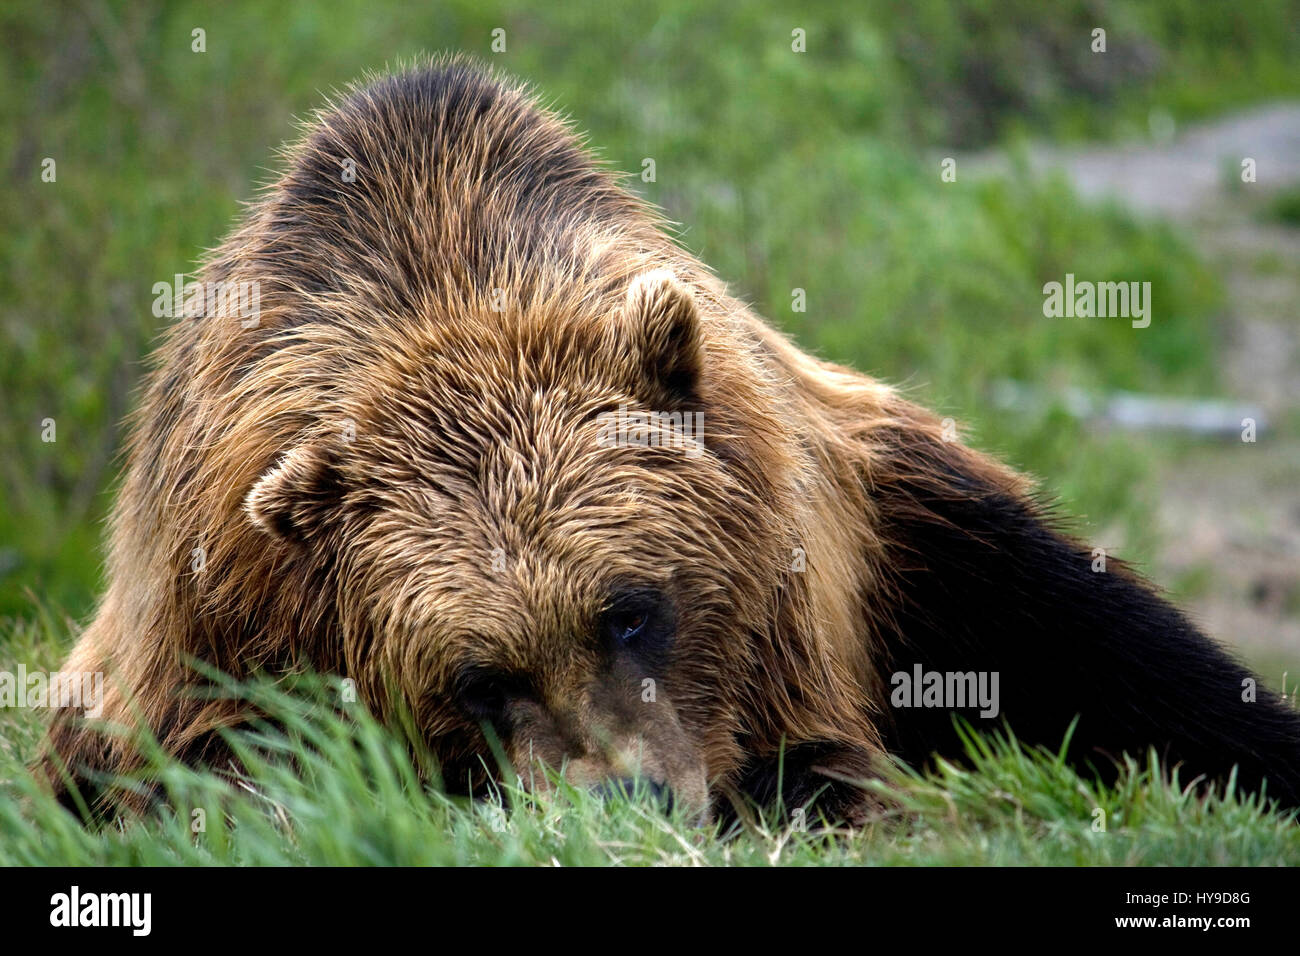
[817,171]
[974,71]
[330,786]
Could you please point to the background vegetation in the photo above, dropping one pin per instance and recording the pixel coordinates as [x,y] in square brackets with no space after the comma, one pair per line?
[817,171]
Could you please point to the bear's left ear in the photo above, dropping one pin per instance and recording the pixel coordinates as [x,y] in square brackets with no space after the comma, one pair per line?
[295,498]
[661,316]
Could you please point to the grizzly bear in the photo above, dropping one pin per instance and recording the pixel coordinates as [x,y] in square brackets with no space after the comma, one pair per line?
[494,447]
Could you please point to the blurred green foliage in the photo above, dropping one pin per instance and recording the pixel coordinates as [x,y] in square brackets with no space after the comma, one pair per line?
[817,171]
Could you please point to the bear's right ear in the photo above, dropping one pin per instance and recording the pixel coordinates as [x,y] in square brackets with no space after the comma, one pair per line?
[663,321]
[294,498]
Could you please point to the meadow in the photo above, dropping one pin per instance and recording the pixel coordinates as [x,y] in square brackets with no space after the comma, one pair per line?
[817,171]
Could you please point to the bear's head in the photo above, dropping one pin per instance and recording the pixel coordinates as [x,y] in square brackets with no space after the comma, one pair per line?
[564,527]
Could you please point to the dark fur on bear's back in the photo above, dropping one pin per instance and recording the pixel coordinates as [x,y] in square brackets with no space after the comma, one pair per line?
[999,583]
[396,476]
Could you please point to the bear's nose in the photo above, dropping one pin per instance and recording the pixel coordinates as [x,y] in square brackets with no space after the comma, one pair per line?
[635,786]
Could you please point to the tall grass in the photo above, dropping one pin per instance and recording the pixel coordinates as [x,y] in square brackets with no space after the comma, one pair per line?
[324,784]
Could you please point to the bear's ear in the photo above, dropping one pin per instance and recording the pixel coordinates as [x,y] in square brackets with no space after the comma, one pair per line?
[296,496]
[661,316]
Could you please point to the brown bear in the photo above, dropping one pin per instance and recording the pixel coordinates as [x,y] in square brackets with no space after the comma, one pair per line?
[492,441]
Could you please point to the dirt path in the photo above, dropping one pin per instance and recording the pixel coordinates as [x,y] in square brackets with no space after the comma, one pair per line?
[1230,511]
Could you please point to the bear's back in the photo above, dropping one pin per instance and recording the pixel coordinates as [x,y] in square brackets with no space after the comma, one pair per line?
[442,184]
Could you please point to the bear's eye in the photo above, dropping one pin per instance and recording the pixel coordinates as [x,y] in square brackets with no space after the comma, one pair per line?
[636,617]
[628,625]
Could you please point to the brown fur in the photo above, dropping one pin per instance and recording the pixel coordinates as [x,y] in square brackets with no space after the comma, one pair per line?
[476,437]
